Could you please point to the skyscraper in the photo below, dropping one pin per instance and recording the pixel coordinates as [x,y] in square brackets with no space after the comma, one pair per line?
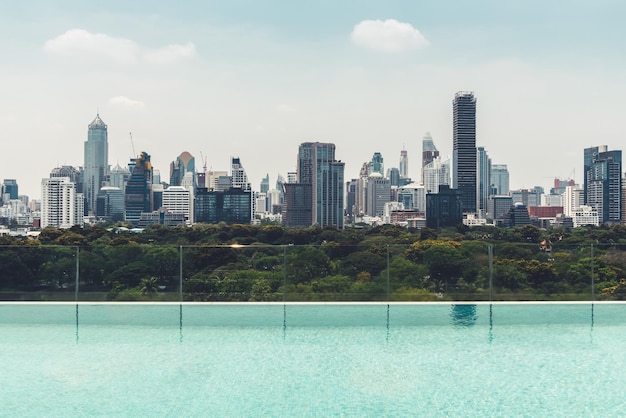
[184,163]
[604,185]
[590,154]
[499,179]
[483,180]
[317,166]
[377,165]
[404,164]
[265,184]
[61,206]
[429,153]
[96,161]
[138,193]
[239,179]
[10,189]
[464,149]
[436,173]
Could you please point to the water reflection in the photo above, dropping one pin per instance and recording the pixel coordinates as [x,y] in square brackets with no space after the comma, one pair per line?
[463,316]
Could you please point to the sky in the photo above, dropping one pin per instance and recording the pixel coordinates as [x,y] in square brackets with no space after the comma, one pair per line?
[250,79]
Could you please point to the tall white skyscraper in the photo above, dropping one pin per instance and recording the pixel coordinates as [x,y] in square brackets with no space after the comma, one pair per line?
[61,206]
[96,161]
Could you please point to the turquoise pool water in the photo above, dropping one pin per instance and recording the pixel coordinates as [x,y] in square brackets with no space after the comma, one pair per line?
[313,360]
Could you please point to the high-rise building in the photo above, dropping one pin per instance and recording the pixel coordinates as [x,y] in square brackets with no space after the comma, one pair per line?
[429,153]
[377,165]
[498,206]
[230,206]
[265,184]
[317,166]
[464,149]
[119,177]
[138,193]
[413,197]
[443,208]
[435,174]
[239,179]
[573,199]
[9,190]
[298,204]
[483,180]
[183,164]
[404,164]
[499,179]
[590,154]
[96,161]
[178,199]
[603,180]
[393,174]
[61,206]
[378,193]
[110,203]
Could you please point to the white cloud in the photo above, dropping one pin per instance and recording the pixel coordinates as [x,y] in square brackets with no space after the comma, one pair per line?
[388,36]
[171,53]
[126,102]
[79,41]
[82,42]
[285,108]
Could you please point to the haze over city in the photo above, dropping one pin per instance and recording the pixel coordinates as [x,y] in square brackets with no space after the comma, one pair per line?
[253,81]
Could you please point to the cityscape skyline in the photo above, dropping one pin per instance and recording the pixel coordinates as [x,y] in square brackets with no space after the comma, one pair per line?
[238,79]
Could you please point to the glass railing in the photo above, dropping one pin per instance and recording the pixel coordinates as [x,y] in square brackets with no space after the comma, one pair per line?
[421,271]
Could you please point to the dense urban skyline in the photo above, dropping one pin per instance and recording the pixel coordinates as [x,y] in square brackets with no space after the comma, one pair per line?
[256,80]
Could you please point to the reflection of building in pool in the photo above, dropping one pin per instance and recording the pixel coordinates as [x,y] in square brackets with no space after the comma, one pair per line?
[463,315]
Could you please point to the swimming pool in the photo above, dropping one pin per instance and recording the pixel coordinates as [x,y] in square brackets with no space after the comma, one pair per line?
[367,359]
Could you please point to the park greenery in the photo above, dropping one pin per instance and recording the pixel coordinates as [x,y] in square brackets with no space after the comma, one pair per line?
[272,263]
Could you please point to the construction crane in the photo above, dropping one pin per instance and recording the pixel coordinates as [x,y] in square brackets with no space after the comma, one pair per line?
[203,162]
[132,144]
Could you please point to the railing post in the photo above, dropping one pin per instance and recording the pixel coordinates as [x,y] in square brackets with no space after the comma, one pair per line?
[77,273]
[284,271]
[387,272]
[592,278]
[180,265]
[490,251]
